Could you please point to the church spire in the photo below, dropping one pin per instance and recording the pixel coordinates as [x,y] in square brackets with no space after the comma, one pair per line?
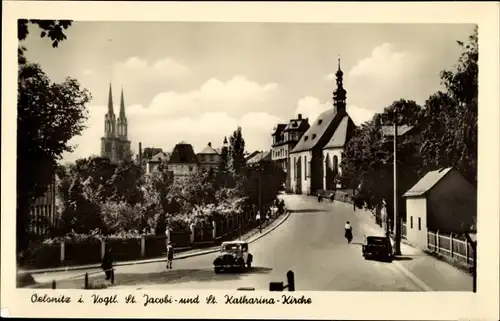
[122,119]
[122,106]
[110,102]
[339,95]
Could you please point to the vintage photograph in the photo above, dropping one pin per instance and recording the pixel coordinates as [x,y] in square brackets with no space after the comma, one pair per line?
[246,156]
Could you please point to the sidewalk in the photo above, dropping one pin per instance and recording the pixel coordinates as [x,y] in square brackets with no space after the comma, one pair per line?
[427,272]
[250,236]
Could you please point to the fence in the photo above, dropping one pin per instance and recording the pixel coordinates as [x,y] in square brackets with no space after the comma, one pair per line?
[451,246]
[92,250]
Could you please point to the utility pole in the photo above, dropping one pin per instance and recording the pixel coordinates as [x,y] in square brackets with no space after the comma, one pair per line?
[397,219]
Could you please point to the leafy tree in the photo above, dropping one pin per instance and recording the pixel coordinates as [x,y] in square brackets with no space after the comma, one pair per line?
[127,181]
[367,161]
[81,215]
[120,216]
[49,115]
[450,133]
[52,29]
[237,151]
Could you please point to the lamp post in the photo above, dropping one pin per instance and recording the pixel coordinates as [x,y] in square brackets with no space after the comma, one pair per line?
[397,218]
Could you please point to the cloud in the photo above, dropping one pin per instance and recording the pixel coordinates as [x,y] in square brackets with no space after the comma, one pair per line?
[385,75]
[312,107]
[236,96]
[139,69]
[197,117]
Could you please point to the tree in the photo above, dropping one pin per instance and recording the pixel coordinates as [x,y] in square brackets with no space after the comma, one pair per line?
[127,182]
[367,161]
[237,151]
[450,135]
[52,29]
[49,115]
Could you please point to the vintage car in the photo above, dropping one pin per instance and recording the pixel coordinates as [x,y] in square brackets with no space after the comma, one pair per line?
[377,247]
[233,255]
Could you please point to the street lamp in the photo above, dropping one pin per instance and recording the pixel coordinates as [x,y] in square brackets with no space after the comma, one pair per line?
[397,218]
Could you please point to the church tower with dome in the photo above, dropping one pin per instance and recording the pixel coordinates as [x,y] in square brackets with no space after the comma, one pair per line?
[115,144]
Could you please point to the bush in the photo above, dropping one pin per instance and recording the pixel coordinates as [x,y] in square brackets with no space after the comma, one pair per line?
[42,256]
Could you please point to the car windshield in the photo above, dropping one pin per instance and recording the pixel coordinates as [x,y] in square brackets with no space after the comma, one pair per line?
[231,247]
[377,240]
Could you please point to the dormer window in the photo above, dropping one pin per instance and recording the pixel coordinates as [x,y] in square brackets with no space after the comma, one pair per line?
[314,136]
[320,121]
[306,137]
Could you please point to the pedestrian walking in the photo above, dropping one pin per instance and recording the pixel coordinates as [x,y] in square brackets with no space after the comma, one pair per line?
[319,197]
[107,263]
[170,255]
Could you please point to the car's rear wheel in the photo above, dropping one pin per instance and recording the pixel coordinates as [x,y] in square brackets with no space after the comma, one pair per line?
[217,270]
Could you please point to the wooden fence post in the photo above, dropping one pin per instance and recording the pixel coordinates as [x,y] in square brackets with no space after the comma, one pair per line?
[467,252]
[214,230]
[451,244]
[143,245]
[191,237]
[437,241]
[202,232]
[63,251]
[103,248]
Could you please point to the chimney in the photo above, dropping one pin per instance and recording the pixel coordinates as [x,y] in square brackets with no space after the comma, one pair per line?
[140,152]
[210,144]
[300,116]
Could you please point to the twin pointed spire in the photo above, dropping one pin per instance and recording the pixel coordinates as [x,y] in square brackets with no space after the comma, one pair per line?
[110,104]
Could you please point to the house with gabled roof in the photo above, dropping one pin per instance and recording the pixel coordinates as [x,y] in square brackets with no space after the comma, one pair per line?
[155,161]
[314,161]
[209,158]
[285,138]
[183,160]
[443,200]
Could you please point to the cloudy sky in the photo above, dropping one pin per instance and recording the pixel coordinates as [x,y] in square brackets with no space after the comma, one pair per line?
[196,82]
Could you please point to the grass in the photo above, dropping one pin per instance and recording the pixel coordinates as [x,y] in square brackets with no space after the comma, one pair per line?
[459,264]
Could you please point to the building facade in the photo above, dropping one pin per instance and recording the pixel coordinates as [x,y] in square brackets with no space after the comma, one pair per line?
[285,138]
[314,161]
[209,158]
[183,160]
[115,144]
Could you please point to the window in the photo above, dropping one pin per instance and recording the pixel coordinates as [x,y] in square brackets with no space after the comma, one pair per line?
[190,168]
[320,121]
[305,138]
[305,167]
[419,224]
[411,221]
[314,136]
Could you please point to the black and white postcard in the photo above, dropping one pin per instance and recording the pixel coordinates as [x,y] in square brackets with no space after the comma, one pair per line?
[253,160]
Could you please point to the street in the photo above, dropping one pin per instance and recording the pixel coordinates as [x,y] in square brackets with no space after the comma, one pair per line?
[311,243]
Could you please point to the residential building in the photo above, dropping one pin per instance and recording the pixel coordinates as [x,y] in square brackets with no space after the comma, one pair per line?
[314,161]
[443,200]
[285,138]
[183,160]
[209,158]
[259,157]
[155,161]
[115,144]
[44,211]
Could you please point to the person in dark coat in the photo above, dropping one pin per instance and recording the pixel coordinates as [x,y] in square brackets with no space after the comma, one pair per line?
[170,255]
[107,263]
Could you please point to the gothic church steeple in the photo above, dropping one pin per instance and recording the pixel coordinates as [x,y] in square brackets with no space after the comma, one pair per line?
[122,119]
[339,95]
[110,118]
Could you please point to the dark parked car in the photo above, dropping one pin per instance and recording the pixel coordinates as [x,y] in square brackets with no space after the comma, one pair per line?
[377,247]
[233,255]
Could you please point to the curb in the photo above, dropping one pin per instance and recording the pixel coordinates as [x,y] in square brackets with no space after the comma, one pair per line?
[160,259]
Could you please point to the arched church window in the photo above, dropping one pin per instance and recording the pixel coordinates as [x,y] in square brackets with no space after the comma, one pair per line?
[335,164]
[107,147]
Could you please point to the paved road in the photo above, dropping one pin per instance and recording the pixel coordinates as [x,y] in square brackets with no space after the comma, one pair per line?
[312,244]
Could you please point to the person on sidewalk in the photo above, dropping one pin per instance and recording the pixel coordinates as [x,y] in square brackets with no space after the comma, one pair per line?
[107,263]
[348,232]
[170,255]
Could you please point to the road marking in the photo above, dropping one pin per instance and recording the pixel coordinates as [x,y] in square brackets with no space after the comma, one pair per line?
[421,284]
